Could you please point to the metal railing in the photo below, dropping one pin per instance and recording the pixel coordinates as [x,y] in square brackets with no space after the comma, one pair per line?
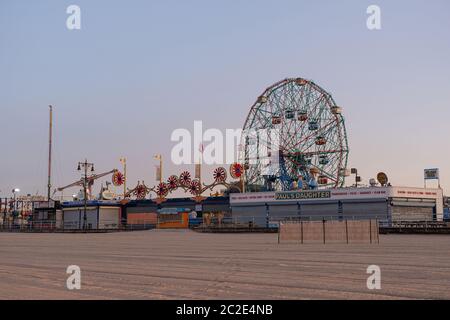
[273,221]
[413,224]
[53,226]
[236,222]
[27,226]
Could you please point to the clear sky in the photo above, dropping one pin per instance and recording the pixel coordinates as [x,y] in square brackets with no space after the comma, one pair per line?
[137,70]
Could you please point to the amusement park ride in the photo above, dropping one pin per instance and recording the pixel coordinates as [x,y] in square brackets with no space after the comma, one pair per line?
[89,183]
[163,189]
[185,182]
[310,151]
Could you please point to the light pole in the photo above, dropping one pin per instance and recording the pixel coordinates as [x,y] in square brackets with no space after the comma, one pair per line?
[85,165]
[4,211]
[14,191]
[357,178]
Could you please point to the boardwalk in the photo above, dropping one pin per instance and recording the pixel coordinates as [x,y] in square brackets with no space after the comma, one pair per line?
[188,265]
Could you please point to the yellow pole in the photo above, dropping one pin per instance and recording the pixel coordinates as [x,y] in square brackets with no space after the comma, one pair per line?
[159,157]
[200,170]
[160,169]
[123,160]
[124,177]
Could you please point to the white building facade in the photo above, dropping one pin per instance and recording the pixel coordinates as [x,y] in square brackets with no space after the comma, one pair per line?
[382,203]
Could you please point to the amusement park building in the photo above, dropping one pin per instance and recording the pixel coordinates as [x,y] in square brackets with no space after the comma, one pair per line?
[99,215]
[265,209]
[382,203]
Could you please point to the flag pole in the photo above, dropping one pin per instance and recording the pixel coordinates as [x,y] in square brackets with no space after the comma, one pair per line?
[50,134]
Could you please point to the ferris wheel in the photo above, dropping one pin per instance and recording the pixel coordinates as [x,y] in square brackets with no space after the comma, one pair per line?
[294,137]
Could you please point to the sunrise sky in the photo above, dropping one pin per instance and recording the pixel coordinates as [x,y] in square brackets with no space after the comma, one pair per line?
[137,70]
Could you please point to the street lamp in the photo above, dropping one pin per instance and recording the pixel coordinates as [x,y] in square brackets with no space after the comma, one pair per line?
[357,178]
[85,165]
[14,191]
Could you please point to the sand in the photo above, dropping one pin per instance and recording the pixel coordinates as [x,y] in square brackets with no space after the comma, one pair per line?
[166,264]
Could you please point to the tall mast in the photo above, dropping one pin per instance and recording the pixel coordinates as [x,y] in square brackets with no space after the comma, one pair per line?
[49,185]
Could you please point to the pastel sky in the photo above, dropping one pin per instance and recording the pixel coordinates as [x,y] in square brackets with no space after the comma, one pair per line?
[137,70]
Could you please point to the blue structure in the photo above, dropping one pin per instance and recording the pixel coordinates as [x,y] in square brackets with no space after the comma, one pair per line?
[447,214]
